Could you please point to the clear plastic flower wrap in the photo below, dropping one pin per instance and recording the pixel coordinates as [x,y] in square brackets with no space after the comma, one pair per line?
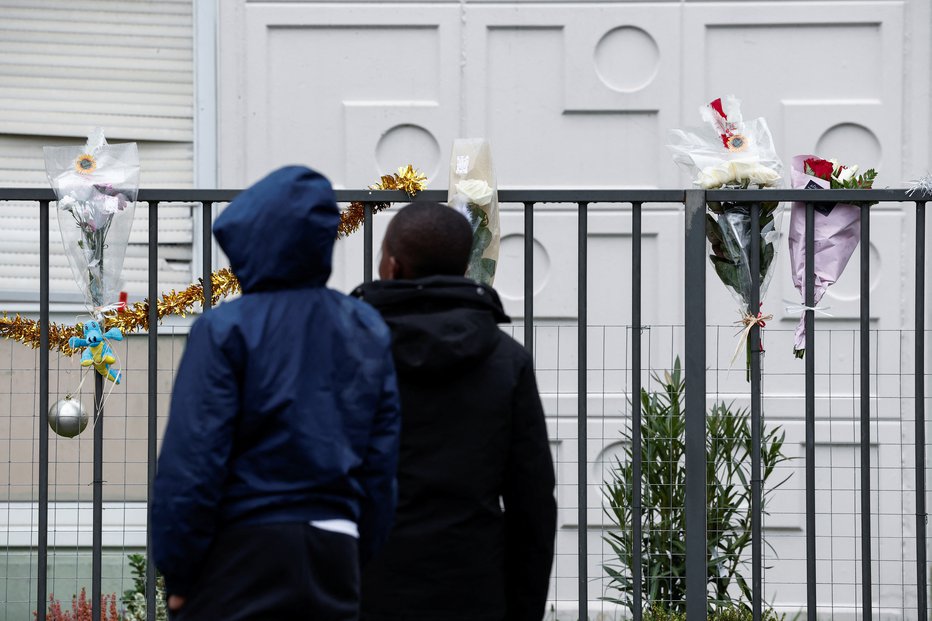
[731,153]
[727,152]
[474,194]
[96,186]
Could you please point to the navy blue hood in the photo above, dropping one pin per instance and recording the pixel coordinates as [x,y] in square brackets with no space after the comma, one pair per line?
[279,233]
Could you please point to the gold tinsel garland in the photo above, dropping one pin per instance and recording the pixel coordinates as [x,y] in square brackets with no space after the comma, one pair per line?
[131,319]
[407,178]
[135,316]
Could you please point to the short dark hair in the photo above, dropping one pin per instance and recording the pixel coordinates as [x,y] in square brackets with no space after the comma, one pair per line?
[430,239]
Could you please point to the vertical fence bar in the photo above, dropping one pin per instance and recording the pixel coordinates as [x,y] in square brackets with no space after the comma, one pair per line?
[636,456]
[207,252]
[582,390]
[98,504]
[921,575]
[695,320]
[529,277]
[367,243]
[866,581]
[152,411]
[754,348]
[43,560]
[810,417]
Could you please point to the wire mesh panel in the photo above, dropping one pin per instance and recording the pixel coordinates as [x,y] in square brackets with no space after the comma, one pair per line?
[728,445]
[608,444]
[18,475]
[125,467]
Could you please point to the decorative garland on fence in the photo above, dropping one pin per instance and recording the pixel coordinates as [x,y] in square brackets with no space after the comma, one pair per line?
[135,317]
[407,178]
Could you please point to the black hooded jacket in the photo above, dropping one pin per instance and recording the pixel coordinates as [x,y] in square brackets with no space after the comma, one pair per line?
[474,528]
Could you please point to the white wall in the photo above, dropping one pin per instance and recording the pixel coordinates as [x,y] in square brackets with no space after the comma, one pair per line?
[580,94]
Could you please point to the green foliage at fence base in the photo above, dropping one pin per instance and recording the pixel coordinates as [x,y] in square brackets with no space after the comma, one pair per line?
[663,482]
[135,599]
[733,613]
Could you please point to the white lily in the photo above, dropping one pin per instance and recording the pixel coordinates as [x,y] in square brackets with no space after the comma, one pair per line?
[847,174]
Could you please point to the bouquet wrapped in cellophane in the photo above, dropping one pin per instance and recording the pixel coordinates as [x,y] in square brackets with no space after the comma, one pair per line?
[473,193]
[96,186]
[836,230]
[731,153]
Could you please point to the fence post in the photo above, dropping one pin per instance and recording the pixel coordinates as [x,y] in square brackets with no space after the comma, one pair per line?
[754,347]
[695,322]
[529,277]
[152,405]
[44,284]
[811,602]
[367,244]
[636,453]
[920,311]
[207,253]
[865,377]
[582,463]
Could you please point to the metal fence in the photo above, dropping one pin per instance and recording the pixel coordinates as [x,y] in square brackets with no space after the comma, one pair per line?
[695,369]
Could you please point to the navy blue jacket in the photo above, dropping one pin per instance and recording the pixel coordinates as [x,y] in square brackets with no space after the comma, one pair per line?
[285,405]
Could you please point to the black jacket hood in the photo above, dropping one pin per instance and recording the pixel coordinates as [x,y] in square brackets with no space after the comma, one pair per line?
[439,323]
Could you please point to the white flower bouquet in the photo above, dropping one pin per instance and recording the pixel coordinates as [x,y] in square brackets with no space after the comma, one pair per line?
[473,193]
[731,153]
[96,187]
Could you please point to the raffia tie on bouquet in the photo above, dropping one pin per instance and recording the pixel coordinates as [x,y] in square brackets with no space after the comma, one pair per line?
[749,321]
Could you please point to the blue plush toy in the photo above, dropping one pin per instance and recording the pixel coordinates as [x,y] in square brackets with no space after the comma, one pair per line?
[98,352]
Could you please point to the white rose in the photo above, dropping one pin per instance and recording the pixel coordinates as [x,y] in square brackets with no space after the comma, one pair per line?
[712,177]
[477,191]
[754,173]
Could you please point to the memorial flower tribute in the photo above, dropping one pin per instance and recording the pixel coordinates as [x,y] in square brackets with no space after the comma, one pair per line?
[731,153]
[836,231]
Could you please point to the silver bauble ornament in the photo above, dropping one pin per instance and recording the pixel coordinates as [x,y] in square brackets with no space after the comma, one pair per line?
[67,418]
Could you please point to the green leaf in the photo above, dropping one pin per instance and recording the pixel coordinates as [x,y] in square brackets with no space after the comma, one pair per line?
[727,272]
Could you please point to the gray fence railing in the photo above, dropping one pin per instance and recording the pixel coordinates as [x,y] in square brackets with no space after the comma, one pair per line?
[694,205]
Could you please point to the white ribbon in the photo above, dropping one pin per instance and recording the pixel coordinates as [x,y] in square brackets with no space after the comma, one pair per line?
[802,308]
[98,312]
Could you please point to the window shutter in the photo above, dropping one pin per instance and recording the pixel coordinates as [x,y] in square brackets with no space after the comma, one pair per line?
[126,66]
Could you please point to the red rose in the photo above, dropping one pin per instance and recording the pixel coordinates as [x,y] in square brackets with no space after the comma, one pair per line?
[817,167]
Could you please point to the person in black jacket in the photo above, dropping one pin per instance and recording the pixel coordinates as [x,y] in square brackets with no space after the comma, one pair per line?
[277,470]
[476,517]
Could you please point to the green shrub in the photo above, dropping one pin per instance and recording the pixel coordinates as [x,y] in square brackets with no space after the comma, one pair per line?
[732,613]
[135,599]
[663,482]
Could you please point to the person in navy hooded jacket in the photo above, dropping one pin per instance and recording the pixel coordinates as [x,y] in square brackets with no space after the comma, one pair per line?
[277,470]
